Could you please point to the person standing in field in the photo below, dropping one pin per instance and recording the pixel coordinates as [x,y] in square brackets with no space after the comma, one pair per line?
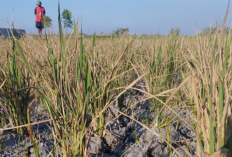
[39,14]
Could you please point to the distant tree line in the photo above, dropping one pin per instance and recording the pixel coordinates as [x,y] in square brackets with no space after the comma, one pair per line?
[175,31]
[213,30]
[121,31]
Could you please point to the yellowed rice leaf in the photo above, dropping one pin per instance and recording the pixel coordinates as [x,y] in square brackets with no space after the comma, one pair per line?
[220,152]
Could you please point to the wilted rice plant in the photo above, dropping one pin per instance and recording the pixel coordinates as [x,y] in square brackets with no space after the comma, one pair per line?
[211,89]
[16,88]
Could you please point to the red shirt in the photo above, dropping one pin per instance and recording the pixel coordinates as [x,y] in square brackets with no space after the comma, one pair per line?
[39,11]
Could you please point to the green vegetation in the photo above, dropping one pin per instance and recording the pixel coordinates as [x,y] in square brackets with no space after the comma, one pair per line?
[67,17]
[175,31]
[121,31]
[78,79]
[47,22]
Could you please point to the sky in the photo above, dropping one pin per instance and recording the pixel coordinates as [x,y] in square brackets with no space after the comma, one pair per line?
[103,16]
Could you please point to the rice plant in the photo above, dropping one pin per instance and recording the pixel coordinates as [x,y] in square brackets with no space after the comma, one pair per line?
[79,78]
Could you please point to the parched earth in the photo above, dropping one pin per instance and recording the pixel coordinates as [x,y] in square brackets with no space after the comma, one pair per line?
[123,137]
